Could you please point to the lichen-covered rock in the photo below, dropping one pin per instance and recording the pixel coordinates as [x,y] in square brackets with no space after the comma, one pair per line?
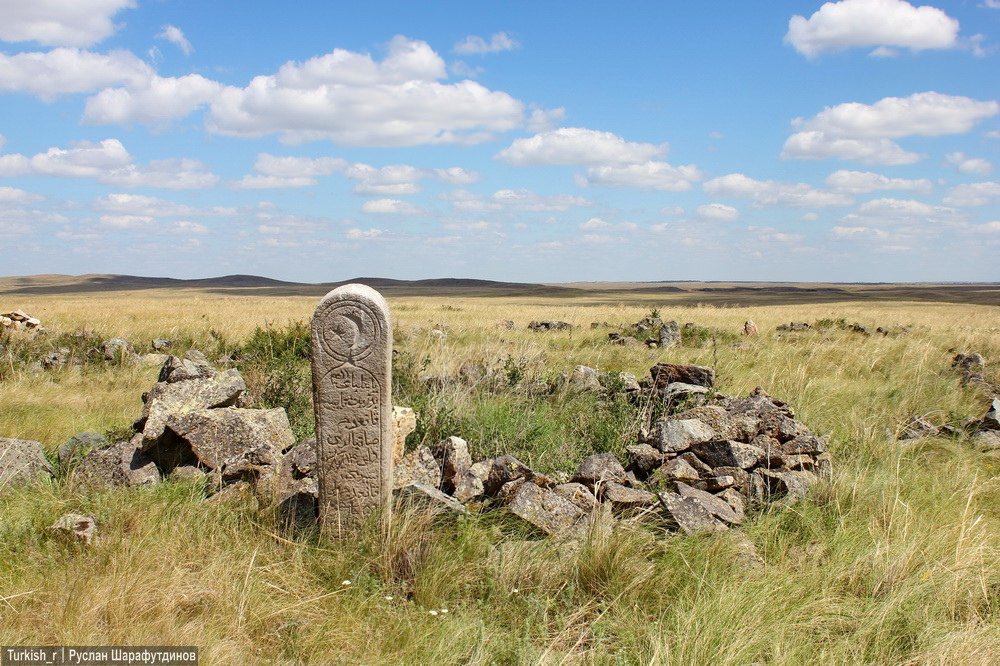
[578,494]
[689,515]
[79,445]
[453,457]
[472,485]
[120,464]
[728,453]
[671,436]
[788,486]
[194,365]
[77,527]
[545,509]
[584,378]
[117,349]
[717,506]
[419,466]
[670,334]
[404,421]
[210,437]
[188,474]
[166,400]
[415,492]
[676,469]
[643,459]
[667,373]
[600,468]
[22,461]
[627,500]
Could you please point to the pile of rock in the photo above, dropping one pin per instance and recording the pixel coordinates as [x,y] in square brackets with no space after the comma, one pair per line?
[549,325]
[972,367]
[695,468]
[794,326]
[18,320]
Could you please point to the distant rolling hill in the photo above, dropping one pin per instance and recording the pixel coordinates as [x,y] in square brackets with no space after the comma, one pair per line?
[675,293]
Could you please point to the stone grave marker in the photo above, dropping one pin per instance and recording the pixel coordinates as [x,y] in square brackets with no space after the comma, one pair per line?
[352,373]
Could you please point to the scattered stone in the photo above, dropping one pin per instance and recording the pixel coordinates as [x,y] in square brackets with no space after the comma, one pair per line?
[117,350]
[56,358]
[795,326]
[578,494]
[77,527]
[992,419]
[194,365]
[166,400]
[188,474]
[674,436]
[643,459]
[859,328]
[717,506]
[418,465]
[918,427]
[438,334]
[676,469]
[120,464]
[670,334]
[22,461]
[429,496]
[667,373]
[18,320]
[688,514]
[159,344]
[472,485]
[547,325]
[698,464]
[789,486]
[727,453]
[404,421]
[627,500]
[736,501]
[600,469]
[679,392]
[584,378]
[749,328]
[616,338]
[78,446]
[987,440]
[452,455]
[545,509]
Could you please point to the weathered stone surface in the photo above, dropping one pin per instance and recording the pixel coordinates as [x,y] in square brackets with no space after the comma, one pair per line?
[507,468]
[172,399]
[56,358]
[672,436]
[598,469]
[188,474]
[689,514]
[548,325]
[454,459]
[194,365]
[698,464]
[472,484]
[418,465]
[404,421]
[717,506]
[668,373]
[584,378]
[429,496]
[676,469]
[578,494]
[545,509]
[992,419]
[352,377]
[211,437]
[749,328]
[22,461]
[670,334]
[740,476]
[987,440]
[678,392]
[794,326]
[117,349]
[643,459]
[300,460]
[627,500]
[616,338]
[159,344]
[120,464]
[717,483]
[77,527]
[790,486]
[735,500]
[727,453]
[79,445]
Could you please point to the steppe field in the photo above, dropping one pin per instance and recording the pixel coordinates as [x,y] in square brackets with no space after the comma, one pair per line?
[895,560]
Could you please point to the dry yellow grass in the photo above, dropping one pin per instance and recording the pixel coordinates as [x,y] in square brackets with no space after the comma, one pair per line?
[894,561]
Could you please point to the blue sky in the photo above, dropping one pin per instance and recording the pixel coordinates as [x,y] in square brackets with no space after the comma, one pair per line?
[856,140]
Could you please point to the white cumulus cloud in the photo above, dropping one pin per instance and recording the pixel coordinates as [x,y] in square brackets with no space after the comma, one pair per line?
[154,101]
[59,22]
[364,234]
[965,164]
[973,194]
[476,45]
[717,211]
[351,99]
[883,24]
[864,132]
[773,192]
[860,182]
[578,146]
[65,71]
[389,206]
[651,175]
[175,36]
[13,195]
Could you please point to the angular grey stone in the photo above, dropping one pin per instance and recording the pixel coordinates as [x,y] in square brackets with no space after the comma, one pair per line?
[736,500]
[352,380]
[789,486]
[987,440]
[727,453]
[418,465]
[117,349]
[454,459]
[918,427]
[507,468]
[717,483]
[584,378]
[426,495]
[76,526]
[120,464]
[600,468]
[672,436]
[211,437]
[992,419]
[78,446]
[643,459]
[578,494]
[677,469]
[627,500]
[22,461]
[194,365]
[716,506]
[56,358]
[679,391]
[704,471]
[689,514]
[668,373]
[188,474]
[472,484]
[159,344]
[545,509]
[300,461]
[166,400]
[670,334]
